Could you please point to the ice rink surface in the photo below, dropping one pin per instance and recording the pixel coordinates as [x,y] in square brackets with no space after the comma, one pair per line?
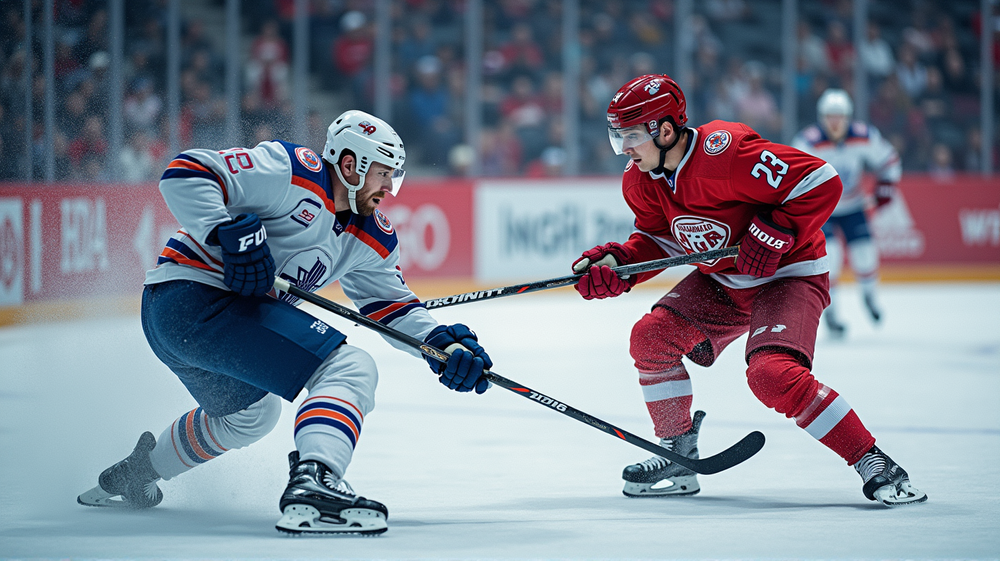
[500,477]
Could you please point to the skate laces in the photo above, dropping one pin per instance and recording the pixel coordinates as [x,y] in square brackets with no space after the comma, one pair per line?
[654,463]
[339,485]
[870,465]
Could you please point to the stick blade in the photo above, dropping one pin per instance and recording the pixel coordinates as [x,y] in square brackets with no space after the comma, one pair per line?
[732,456]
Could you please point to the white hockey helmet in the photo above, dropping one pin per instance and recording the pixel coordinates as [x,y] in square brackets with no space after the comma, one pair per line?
[835,102]
[371,140]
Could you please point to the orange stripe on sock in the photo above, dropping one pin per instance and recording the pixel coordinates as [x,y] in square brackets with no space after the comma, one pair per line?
[331,415]
[348,403]
[193,440]
[173,440]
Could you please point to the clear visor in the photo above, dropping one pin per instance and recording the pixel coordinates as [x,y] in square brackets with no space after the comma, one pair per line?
[397,180]
[622,139]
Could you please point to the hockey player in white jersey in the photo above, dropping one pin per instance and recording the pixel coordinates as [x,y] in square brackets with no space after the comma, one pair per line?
[851,147]
[210,313]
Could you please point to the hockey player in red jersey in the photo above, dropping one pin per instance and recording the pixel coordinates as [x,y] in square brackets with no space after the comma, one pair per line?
[708,187]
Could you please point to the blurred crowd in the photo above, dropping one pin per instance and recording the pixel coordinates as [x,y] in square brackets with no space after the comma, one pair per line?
[921,59]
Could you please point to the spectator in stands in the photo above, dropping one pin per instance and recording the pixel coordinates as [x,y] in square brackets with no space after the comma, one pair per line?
[813,56]
[353,51]
[500,151]
[138,160]
[72,114]
[143,107]
[912,74]
[839,50]
[267,71]
[88,151]
[757,106]
[429,102]
[941,166]
[522,54]
[876,55]
[549,164]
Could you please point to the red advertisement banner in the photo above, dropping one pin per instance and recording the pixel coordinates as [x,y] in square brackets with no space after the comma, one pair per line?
[72,241]
[433,220]
[935,222]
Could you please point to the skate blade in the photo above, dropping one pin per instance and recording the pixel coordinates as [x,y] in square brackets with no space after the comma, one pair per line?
[303,520]
[891,497]
[678,487]
[100,497]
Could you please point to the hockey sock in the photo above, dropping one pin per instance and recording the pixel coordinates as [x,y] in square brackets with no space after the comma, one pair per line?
[341,393]
[658,342]
[782,383]
[195,437]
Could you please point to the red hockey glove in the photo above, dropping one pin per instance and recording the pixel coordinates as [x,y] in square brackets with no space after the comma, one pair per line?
[762,248]
[600,281]
[884,192]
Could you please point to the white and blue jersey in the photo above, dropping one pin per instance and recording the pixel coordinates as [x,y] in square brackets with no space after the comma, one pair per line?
[862,148]
[288,187]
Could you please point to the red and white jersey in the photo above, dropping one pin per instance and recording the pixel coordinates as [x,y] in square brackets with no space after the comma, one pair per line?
[729,175]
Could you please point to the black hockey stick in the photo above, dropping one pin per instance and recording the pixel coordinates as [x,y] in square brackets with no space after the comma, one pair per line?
[735,454]
[632,269]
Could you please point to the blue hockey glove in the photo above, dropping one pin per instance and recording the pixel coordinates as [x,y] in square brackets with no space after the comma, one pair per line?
[248,265]
[465,368]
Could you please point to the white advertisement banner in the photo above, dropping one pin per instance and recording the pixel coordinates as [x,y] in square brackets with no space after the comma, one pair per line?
[11,252]
[536,229]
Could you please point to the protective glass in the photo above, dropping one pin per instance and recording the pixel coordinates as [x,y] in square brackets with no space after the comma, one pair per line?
[628,137]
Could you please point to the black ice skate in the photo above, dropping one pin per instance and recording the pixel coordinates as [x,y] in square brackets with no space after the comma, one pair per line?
[131,483]
[316,502]
[837,329]
[885,481]
[658,477]
[872,307]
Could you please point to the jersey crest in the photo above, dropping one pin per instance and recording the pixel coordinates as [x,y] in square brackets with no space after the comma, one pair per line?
[308,158]
[717,142]
[383,222]
[697,234]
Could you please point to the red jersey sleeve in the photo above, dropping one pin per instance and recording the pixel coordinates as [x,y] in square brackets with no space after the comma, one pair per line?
[802,190]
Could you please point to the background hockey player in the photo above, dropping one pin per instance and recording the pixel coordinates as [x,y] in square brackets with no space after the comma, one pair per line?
[210,313]
[696,189]
[851,147]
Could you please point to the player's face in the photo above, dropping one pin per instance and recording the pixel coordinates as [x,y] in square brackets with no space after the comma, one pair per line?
[835,125]
[646,156]
[378,185]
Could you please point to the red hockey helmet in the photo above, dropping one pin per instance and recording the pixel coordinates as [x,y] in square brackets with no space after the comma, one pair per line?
[647,100]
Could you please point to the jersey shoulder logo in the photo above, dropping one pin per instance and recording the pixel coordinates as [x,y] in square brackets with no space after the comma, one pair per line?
[697,234]
[308,158]
[382,222]
[717,142]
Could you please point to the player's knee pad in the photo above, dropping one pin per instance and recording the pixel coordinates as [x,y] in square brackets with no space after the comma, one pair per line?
[247,426]
[835,255]
[780,381]
[661,338]
[349,373]
[864,257]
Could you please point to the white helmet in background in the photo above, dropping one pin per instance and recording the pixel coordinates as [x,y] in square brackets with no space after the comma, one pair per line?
[835,102]
[371,140]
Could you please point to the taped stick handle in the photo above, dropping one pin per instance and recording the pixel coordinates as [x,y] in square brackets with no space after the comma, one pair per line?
[735,454]
[621,270]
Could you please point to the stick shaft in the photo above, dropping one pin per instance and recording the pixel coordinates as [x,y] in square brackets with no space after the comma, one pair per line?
[724,460]
[558,282]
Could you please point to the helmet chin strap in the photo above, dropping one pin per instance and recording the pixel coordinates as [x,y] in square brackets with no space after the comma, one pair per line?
[352,191]
[660,170]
